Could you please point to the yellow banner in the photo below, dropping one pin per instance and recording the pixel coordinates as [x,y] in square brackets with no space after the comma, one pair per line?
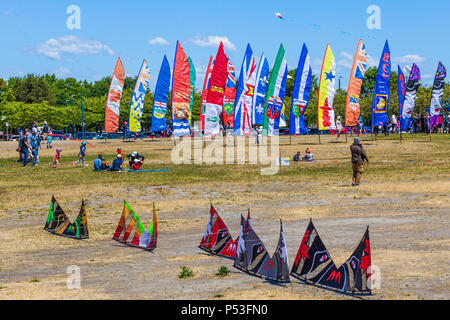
[325,110]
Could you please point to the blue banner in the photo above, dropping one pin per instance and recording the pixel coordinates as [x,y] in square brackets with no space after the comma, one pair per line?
[262,79]
[300,93]
[159,112]
[401,98]
[380,102]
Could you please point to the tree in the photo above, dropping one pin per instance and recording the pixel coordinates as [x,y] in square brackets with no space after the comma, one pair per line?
[32,89]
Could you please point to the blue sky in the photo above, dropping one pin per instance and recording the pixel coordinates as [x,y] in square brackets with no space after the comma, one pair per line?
[35,37]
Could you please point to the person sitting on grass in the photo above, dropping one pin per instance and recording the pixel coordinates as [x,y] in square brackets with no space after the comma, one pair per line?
[308,155]
[137,164]
[56,159]
[100,164]
[297,156]
[133,157]
[117,164]
[119,151]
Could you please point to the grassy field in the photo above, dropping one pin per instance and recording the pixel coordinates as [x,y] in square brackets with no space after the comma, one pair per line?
[404,198]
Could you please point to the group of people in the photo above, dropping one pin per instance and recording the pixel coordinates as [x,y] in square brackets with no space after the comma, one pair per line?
[29,143]
[307,157]
[135,161]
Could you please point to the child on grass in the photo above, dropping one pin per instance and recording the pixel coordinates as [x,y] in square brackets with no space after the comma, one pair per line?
[81,155]
[56,159]
[137,164]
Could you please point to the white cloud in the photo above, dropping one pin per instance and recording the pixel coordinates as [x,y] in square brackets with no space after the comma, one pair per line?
[159,41]
[54,48]
[371,61]
[61,72]
[346,55]
[316,65]
[346,61]
[409,58]
[213,41]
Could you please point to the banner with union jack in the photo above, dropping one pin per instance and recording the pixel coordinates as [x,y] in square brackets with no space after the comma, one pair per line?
[159,112]
[229,97]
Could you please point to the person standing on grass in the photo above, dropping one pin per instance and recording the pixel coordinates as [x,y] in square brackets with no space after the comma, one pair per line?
[49,140]
[20,146]
[45,129]
[25,148]
[339,127]
[358,158]
[34,143]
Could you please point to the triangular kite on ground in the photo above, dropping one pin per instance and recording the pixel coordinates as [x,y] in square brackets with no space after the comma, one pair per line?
[131,232]
[252,256]
[217,239]
[313,265]
[58,223]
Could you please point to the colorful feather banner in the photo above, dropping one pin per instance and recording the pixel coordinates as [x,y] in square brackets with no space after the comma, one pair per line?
[192,77]
[159,109]
[436,95]
[401,92]
[325,110]
[262,79]
[352,109]
[181,93]
[380,101]
[244,94]
[137,100]
[205,92]
[214,100]
[275,94]
[300,93]
[410,96]
[229,97]
[113,100]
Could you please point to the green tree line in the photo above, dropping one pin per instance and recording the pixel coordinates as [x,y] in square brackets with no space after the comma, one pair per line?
[33,98]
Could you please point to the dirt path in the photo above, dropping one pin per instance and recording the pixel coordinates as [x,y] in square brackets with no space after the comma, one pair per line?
[408,230]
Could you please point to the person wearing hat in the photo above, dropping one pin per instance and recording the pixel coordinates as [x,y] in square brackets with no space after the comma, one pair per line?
[81,155]
[339,127]
[358,158]
[124,130]
[56,159]
[119,151]
[117,164]
[137,164]
[308,155]
[135,155]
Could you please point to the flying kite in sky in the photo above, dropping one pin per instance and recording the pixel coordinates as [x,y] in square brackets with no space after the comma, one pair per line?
[278,15]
